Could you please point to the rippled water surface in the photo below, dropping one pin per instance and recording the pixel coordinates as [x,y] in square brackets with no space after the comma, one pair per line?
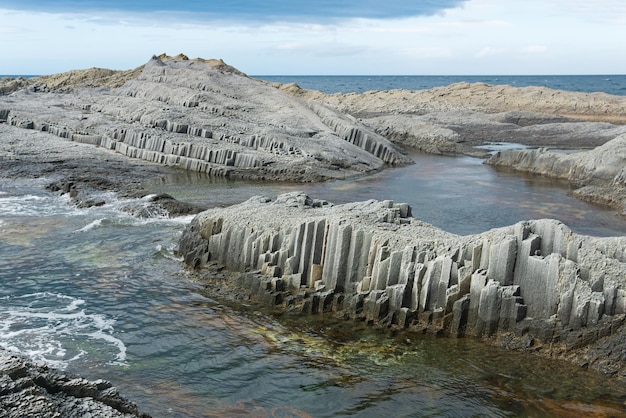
[458,194]
[99,292]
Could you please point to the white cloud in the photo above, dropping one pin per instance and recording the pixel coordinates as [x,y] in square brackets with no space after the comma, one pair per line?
[483,36]
[427,52]
[488,52]
[534,49]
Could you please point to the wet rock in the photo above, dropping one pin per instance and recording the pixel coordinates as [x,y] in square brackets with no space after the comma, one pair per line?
[535,280]
[35,390]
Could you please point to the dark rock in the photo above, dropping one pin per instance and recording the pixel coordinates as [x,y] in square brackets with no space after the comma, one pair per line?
[34,390]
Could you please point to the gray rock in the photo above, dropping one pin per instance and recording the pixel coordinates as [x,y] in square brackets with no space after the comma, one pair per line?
[536,278]
[192,115]
[34,390]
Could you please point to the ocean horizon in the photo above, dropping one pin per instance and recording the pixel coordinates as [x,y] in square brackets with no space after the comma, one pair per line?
[614,84]
[604,83]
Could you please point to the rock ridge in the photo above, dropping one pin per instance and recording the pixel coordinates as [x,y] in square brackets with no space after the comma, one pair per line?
[455,118]
[534,285]
[207,118]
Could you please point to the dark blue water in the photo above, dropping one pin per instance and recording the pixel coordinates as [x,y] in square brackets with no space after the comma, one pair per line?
[605,83]
[611,84]
[16,76]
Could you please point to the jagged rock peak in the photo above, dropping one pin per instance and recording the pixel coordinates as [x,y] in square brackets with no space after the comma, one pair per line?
[216,63]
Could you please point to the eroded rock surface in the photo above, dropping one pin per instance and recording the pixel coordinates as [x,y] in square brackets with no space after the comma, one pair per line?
[599,174]
[206,117]
[34,390]
[455,118]
[534,285]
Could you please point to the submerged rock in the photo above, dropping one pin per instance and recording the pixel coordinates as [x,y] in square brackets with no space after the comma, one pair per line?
[536,282]
[599,175]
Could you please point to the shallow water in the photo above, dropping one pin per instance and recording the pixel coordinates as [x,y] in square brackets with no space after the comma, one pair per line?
[101,293]
[458,194]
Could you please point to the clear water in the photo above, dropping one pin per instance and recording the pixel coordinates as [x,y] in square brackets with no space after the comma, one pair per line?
[458,194]
[99,292]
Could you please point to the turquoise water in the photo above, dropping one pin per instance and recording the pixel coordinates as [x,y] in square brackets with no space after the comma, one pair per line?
[99,292]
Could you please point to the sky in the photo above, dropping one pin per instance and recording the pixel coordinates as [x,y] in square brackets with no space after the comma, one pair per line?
[322,37]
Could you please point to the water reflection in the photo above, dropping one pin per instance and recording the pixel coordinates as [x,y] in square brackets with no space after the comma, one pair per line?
[458,194]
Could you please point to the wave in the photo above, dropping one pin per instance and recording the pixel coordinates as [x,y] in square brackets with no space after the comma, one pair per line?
[91,225]
[56,329]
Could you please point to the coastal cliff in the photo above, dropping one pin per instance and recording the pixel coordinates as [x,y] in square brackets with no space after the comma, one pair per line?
[534,286]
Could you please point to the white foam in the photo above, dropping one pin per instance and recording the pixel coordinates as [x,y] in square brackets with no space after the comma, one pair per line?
[91,225]
[46,325]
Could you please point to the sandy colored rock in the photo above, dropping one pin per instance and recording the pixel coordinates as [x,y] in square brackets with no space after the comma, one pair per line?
[456,118]
[202,115]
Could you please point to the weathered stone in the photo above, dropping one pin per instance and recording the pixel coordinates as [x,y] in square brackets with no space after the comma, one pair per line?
[367,266]
[33,390]
[173,112]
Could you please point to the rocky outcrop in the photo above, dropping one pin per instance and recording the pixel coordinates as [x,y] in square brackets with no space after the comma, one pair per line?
[456,118]
[205,116]
[599,175]
[536,282]
[34,390]
[477,97]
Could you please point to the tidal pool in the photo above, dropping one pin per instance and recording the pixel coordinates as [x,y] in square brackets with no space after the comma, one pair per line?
[101,293]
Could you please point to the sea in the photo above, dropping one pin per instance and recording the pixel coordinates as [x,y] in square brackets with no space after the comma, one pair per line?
[99,292]
[610,84]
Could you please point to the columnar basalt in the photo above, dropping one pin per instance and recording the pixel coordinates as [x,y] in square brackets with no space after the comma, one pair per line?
[209,119]
[371,260]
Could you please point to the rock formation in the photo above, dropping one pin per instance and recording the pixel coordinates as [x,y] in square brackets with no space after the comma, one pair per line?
[536,282]
[599,175]
[206,116]
[34,390]
[455,118]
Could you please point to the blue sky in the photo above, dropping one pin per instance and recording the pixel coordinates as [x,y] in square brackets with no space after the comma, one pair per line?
[323,37]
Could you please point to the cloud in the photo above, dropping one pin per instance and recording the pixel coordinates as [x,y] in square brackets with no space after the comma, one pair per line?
[534,49]
[427,52]
[338,37]
[487,52]
[269,10]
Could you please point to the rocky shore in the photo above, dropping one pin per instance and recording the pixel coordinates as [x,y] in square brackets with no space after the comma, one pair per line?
[35,390]
[534,286]
[598,175]
[204,115]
